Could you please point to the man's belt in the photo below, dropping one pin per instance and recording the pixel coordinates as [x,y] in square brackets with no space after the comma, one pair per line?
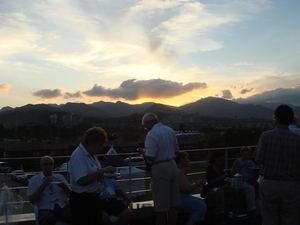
[154,163]
[278,179]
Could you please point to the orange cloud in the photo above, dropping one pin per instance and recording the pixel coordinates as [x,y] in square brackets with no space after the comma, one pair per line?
[4,87]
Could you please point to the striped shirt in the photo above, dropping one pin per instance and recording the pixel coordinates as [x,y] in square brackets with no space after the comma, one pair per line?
[279,152]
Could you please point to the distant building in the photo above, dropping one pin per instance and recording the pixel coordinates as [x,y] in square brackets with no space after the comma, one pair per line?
[71,119]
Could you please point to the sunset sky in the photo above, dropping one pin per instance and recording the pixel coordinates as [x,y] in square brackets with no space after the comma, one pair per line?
[172,52]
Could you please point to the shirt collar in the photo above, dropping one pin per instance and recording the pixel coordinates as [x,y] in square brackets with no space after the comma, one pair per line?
[43,176]
[282,127]
[157,125]
[83,149]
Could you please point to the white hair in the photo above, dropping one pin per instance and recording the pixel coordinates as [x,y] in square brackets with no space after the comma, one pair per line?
[149,117]
[46,157]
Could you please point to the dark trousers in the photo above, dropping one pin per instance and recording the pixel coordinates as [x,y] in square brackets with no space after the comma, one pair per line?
[86,208]
[49,217]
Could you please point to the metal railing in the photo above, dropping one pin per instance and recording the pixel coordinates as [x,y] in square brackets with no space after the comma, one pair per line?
[230,153]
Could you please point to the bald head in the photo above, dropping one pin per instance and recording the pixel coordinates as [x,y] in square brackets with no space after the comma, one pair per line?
[46,158]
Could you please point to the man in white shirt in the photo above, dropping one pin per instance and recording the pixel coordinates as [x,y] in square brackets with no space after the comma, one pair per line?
[293,125]
[48,191]
[161,145]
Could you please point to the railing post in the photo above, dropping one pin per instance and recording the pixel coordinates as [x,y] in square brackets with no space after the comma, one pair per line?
[226,161]
[130,176]
[68,175]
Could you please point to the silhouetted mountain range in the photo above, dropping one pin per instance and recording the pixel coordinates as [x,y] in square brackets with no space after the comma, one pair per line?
[211,107]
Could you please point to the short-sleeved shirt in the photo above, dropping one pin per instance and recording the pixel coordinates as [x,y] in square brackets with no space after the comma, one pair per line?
[111,186]
[245,171]
[161,143]
[279,152]
[82,164]
[52,193]
[295,129]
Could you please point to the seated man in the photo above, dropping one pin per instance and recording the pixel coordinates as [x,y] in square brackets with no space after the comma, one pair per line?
[48,191]
[111,205]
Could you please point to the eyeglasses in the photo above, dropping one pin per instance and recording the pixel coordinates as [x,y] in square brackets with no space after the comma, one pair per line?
[47,164]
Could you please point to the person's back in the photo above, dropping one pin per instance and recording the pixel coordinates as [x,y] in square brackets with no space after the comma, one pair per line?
[161,144]
[195,206]
[112,205]
[282,153]
[278,153]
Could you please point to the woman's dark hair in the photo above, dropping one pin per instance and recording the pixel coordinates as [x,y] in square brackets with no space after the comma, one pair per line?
[179,156]
[214,155]
[284,114]
[94,135]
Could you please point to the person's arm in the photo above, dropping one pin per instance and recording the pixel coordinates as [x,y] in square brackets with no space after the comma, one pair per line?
[66,189]
[142,152]
[121,193]
[211,177]
[236,167]
[187,187]
[218,179]
[35,197]
[90,178]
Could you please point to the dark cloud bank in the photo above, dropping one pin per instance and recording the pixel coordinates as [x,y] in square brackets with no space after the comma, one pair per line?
[162,89]
[155,88]
[278,95]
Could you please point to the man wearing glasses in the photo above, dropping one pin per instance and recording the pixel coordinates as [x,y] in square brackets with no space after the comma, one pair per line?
[48,191]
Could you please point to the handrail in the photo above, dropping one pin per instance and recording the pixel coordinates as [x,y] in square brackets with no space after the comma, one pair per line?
[132,153]
[225,149]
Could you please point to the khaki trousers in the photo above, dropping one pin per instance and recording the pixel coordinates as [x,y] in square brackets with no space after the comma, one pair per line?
[279,202]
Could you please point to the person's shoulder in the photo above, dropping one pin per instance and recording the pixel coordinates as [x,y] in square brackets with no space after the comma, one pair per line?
[296,134]
[267,133]
[36,178]
[167,128]
[58,175]
[180,170]
[78,152]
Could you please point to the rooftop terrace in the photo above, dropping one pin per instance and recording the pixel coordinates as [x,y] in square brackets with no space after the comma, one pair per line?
[142,205]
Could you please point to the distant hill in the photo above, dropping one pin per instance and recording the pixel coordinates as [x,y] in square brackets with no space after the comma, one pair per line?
[207,107]
[6,108]
[163,109]
[119,108]
[83,109]
[30,107]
